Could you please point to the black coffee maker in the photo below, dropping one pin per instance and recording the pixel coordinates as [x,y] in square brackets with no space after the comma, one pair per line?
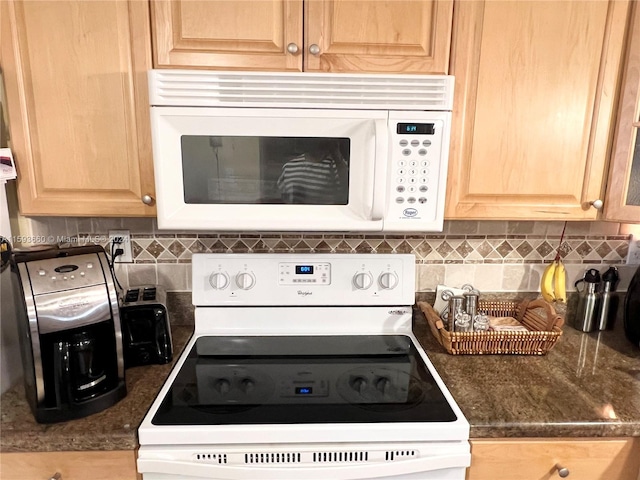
[70,330]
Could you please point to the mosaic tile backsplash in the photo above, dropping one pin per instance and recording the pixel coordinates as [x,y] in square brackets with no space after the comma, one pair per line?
[492,255]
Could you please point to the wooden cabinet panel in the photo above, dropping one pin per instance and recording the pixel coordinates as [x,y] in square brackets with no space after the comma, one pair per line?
[623,190]
[535,87]
[589,459]
[226,34]
[112,465]
[408,36]
[76,87]
[373,36]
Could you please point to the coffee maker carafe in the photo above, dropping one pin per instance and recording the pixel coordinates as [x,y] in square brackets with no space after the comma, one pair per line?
[70,330]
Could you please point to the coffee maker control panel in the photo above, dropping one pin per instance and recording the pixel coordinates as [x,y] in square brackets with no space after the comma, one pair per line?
[56,274]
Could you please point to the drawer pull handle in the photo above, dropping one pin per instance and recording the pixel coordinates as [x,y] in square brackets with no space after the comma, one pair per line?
[562,471]
[56,476]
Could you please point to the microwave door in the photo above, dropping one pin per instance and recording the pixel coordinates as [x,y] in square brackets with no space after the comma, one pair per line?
[269,169]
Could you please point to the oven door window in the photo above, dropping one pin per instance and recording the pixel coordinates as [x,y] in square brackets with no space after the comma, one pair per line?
[332,379]
[265,170]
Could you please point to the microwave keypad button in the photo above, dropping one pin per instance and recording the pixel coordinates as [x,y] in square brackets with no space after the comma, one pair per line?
[411,200]
[411,189]
[422,200]
[399,180]
[424,180]
[423,188]
[406,152]
[401,171]
[413,163]
[413,171]
[422,151]
[399,189]
[413,180]
[402,163]
[415,143]
[424,163]
[399,200]
[424,172]
[426,143]
[403,142]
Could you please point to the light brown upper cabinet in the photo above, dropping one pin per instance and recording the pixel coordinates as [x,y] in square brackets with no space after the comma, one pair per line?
[339,36]
[623,191]
[76,86]
[534,106]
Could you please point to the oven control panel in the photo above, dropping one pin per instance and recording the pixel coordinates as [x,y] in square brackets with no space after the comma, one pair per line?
[303,279]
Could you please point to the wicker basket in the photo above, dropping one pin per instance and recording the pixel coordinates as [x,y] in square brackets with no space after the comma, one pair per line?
[538,316]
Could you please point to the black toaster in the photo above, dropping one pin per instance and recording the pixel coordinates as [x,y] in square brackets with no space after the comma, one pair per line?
[146,332]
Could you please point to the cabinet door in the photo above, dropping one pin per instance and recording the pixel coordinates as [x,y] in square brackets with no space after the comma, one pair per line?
[411,36]
[227,34]
[623,191]
[111,465]
[76,88]
[585,459]
[533,108]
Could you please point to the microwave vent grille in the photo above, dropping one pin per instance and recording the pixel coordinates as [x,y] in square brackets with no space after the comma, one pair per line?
[300,90]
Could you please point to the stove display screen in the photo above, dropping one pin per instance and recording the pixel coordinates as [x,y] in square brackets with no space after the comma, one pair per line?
[236,380]
[304,269]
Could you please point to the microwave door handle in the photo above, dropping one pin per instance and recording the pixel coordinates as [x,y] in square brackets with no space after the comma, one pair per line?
[381,168]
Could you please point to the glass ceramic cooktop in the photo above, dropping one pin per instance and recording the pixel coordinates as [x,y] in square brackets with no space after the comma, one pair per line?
[236,380]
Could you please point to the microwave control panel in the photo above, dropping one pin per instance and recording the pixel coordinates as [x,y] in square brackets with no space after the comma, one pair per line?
[417,170]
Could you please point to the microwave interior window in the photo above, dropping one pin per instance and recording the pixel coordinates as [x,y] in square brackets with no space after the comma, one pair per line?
[265,170]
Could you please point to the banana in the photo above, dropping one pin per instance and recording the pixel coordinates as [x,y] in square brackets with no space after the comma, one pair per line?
[560,282]
[547,282]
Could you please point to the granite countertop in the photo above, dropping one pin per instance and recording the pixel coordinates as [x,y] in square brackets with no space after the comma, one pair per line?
[587,385]
[112,429]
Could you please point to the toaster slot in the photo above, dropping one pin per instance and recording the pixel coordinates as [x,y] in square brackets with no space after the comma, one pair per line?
[132,295]
[149,293]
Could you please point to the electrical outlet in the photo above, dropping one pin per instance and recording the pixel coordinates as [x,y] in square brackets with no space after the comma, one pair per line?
[125,245]
[633,258]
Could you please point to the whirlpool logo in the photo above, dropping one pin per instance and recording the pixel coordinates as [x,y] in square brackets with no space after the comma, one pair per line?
[410,212]
[304,293]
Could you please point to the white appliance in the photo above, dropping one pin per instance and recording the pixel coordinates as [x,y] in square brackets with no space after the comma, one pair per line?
[303,366]
[300,151]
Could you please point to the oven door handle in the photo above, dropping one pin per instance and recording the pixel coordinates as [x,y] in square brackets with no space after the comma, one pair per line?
[357,471]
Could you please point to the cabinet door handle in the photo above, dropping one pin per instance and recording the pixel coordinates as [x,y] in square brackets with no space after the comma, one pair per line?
[314,49]
[562,471]
[597,204]
[147,199]
[292,48]
[56,476]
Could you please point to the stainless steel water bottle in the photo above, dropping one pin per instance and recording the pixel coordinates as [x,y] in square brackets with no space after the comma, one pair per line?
[609,301]
[588,302]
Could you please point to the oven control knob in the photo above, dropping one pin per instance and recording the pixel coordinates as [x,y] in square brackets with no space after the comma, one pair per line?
[223,386]
[219,280]
[388,280]
[362,280]
[383,385]
[247,385]
[359,384]
[245,280]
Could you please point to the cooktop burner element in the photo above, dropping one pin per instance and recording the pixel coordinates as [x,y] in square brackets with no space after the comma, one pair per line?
[324,381]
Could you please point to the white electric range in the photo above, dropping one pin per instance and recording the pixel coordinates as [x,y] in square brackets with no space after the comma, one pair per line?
[303,366]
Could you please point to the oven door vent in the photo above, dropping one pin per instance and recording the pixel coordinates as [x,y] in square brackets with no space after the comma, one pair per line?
[340,457]
[290,457]
[211,457]
[392,455]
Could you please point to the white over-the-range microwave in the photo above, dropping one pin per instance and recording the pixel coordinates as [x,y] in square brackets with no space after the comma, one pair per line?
[253,151]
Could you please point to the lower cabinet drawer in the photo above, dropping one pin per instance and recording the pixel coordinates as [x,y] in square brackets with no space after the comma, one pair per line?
[105,465]
[540,459]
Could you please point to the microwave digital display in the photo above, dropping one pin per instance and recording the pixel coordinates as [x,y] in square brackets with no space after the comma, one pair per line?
[304,269]
[413,128]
